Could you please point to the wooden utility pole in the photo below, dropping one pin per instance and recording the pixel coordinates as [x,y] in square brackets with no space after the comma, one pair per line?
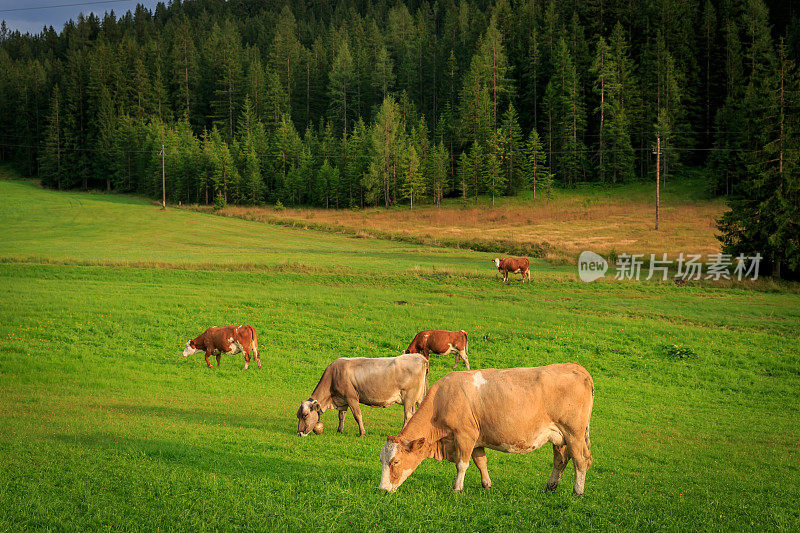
[657,151]
[163,179]
[163,156]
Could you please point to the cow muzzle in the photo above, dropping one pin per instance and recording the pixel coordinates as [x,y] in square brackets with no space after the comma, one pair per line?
[386,485]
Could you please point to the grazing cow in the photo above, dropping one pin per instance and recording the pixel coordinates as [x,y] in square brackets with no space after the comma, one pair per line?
[379,382]
[514,265]
[442,343]
[228,340]
[512,410]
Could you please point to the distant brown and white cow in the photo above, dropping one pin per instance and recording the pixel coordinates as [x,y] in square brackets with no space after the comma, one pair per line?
[512,410]
[441,342]
[229,340]
[379,382]
[515,265]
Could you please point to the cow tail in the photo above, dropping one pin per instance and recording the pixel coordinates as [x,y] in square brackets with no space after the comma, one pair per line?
[427,368]
[254,345]
[589,445]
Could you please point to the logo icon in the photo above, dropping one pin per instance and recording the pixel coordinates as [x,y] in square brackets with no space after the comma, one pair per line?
[591,266]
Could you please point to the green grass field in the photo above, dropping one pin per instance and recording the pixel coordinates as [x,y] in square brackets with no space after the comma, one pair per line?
[106,426]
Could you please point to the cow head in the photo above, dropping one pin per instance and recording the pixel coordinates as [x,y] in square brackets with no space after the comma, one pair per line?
[496,262]
[307,417]
[189,349]
[399,458]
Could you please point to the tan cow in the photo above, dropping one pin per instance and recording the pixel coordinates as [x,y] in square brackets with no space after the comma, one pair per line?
[515,265]
[378,381]
[229,340]
[512,410]
[441,342]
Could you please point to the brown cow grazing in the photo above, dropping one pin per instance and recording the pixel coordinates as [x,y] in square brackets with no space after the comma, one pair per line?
[514,265]
[512,410]
[228,340]
[442,343]
[379,382]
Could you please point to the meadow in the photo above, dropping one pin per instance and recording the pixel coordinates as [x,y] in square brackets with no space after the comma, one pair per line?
[554,227]
[696,422]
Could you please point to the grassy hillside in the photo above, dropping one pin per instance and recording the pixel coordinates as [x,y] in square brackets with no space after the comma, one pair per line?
[105,425]
[618,219]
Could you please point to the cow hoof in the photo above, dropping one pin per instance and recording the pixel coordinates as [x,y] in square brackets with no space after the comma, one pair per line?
[550,487]
[574,493]
[486,485]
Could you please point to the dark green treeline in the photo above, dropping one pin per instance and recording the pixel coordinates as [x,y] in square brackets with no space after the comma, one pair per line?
[354,103]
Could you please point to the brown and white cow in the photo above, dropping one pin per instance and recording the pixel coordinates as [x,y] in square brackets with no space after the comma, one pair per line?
[378,382]
[229,340]
[514,265]
[512,410]
[441,342]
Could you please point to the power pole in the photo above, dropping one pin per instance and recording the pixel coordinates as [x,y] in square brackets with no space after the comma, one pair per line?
[163,180]
[657,151]
[163,156]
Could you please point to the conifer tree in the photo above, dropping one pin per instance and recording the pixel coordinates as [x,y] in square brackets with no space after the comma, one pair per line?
[413,180]
[493,177]
[567,107]
[438,172]
[387,142]
[184,61]
[50,159]
[477,167]
[342,82]
[536,164]
[510,152]
[327,179]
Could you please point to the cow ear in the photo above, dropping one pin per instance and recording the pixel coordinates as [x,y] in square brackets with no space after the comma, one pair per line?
[191,343]
[415,445]
[392,438]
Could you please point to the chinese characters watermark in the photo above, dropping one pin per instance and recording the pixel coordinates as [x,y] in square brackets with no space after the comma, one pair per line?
[686,267]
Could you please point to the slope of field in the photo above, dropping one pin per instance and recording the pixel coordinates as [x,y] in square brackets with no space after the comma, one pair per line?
[56,226]
[618,219]
[104,424]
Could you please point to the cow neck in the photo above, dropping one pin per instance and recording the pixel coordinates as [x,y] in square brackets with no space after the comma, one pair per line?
[421,426]
[199,342]
[322,392]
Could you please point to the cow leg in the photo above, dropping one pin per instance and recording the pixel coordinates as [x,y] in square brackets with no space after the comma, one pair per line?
[465,444]
[208,363]
[463,355]
[479,456]
[408,409]
[560,460]
[246,360]
[461,470]
[455,364]
[582,459]
[219,357]
[353,404]
[342,415]
[258,358]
